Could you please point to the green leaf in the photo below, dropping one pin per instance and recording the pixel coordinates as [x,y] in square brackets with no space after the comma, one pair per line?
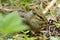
[3,1]
[57,24]
[54,38]
[12,23]
[1,16]
[25,2]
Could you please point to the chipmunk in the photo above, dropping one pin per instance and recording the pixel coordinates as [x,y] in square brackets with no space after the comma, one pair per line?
[36,21]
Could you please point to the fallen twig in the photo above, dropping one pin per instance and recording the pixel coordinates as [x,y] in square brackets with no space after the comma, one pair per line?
[49,6]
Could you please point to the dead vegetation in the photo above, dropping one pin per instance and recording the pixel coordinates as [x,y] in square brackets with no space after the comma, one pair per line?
[42,16]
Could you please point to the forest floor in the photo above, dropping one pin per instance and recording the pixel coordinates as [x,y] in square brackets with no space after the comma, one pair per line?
[41,16]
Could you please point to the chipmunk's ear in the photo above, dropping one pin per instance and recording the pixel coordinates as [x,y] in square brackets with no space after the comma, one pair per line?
[30,13]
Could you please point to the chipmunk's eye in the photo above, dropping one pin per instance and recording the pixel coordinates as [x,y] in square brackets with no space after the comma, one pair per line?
[40,17]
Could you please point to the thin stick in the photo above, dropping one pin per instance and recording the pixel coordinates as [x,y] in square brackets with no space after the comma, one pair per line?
[49,6]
